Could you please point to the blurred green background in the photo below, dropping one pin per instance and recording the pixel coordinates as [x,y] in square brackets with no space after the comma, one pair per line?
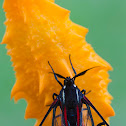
[106,21]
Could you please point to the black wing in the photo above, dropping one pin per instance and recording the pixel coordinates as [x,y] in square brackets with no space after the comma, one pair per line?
[54,104]
[87,118]
[86,101]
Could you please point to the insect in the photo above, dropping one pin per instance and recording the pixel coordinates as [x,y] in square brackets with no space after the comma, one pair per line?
[71,101]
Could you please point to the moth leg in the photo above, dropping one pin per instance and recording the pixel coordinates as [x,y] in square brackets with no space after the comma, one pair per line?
[83,91]
[54,94]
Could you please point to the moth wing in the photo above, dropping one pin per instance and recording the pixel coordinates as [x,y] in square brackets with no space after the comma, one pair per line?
[57,117]
[87,119]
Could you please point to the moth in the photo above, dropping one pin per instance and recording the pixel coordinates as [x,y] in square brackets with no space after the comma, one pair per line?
[71,101]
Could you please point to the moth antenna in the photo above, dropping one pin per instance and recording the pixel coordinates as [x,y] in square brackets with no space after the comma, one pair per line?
[72,65]
[55,75]
[60,76]
[82,73]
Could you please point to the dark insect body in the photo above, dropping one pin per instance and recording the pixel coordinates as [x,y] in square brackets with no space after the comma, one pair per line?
[71,100]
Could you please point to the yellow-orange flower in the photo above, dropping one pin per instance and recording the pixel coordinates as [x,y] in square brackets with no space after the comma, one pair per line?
[38,31]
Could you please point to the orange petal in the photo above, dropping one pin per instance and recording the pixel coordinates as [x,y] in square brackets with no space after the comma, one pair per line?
[43,32]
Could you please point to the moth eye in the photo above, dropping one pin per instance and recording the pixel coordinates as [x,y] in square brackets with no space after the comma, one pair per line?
[65,81]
